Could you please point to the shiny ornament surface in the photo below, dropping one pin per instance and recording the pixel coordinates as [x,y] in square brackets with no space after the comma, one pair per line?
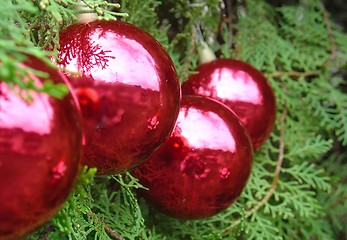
[128,90]
[203,166]
[40,153]
[242,88]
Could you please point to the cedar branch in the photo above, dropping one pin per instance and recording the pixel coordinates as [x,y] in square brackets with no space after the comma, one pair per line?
[275,179]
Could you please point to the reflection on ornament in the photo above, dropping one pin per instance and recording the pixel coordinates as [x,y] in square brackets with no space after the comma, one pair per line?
[128,89]
[40,151]
[242,88]
[203,166]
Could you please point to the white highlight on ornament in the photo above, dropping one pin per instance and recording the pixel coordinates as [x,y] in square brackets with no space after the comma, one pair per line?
[16,113]
[215,127]
[243,87]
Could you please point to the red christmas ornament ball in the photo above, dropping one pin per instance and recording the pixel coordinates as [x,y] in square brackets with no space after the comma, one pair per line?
[128,90]
[203,166]
[243,89]
[40,152]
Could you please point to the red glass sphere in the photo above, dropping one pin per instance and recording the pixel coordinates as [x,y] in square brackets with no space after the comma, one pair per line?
[243,89]
[40,152]
[128,90]
[203,166]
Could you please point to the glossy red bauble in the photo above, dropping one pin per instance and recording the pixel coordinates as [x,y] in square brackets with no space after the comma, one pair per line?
[128,90]
[40,153]
[242,88]
[203,166]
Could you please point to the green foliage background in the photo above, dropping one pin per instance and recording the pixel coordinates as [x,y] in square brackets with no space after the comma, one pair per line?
[297,189]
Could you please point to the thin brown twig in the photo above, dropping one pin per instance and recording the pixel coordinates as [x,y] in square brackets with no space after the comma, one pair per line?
[272,189]
[293,74]
[333,47]
[112,233]
[229,20]
[45,234]
[188,59]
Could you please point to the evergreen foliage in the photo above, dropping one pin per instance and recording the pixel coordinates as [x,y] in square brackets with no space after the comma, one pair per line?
[297,189]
